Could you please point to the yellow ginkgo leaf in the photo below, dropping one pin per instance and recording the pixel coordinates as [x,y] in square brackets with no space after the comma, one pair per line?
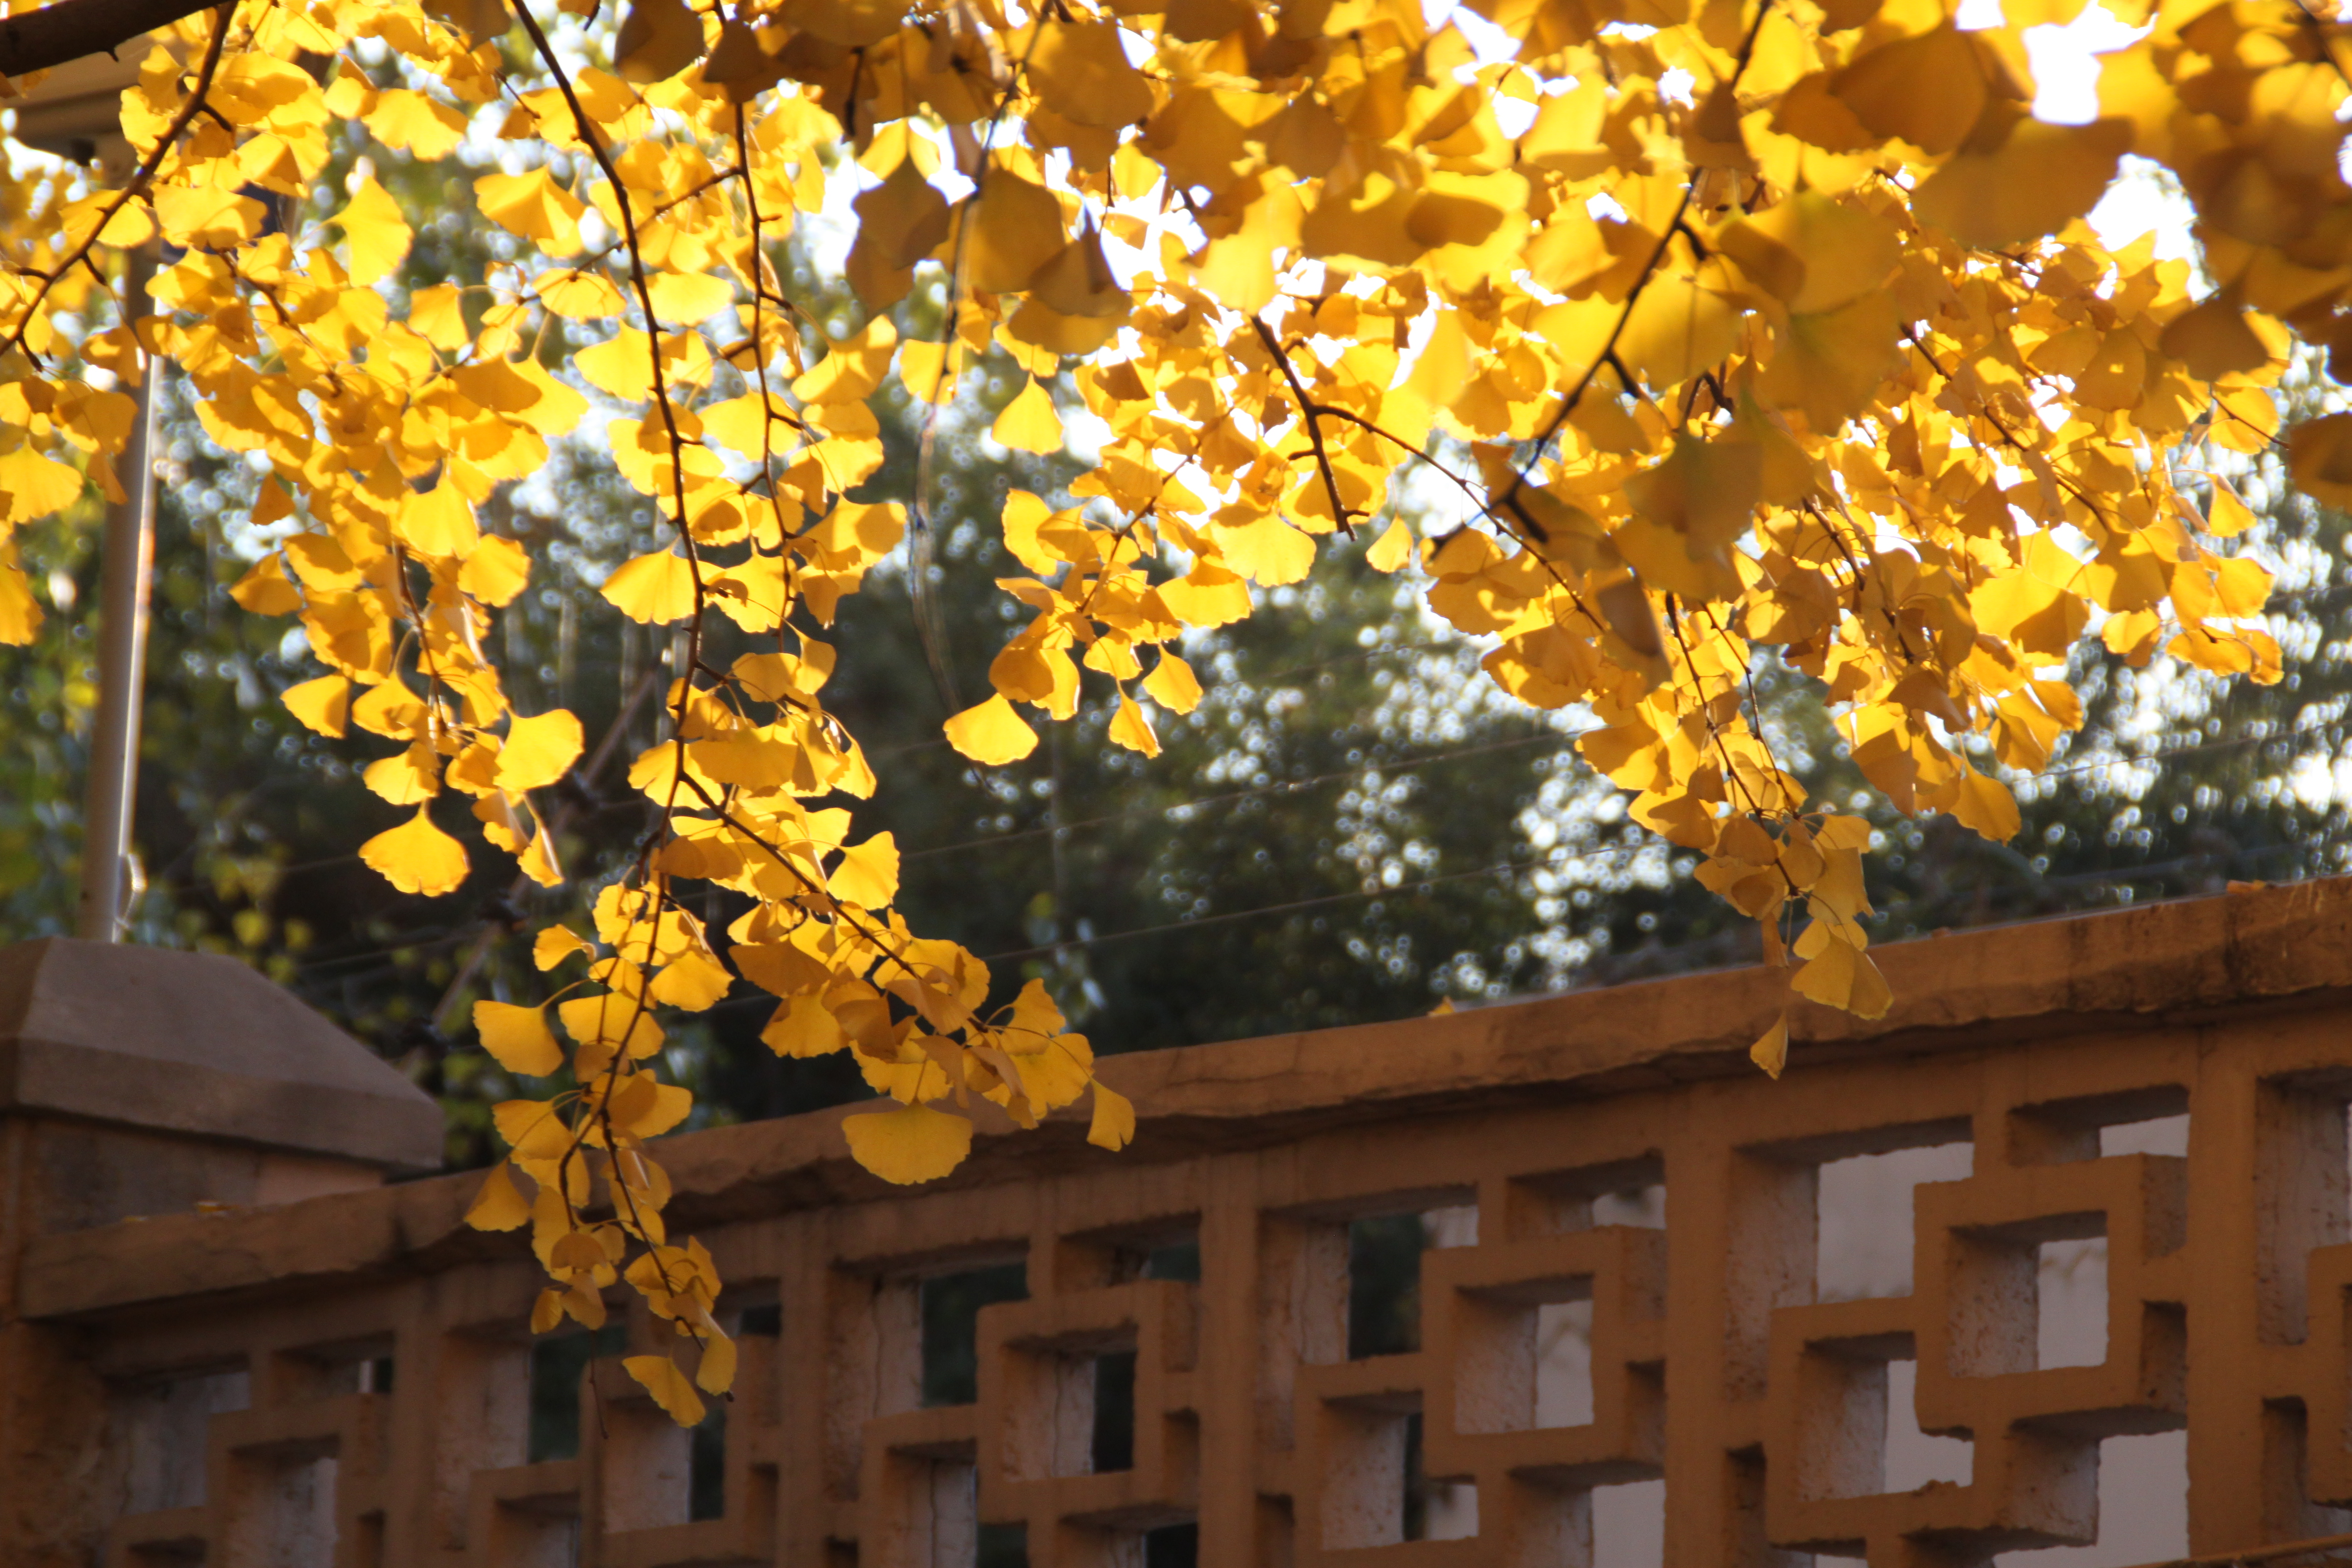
[1704,492]
[406,776]
[36,486]
[868,872]
[691,981]
[653,588]
[908,1144]
[1985,804]
[1928,89]
[688,297]
[418,857]
[208,215]
[556,943]
[1830,366]
[1016,227]
[1080,71]
[1028,423]
[1814,251]
[2026,184]
[903,218]
[992,734]
[518,1037]
[1172,684]
[537,750]
[929,371]
[438,316]
[671,1389]
[533,205]
[1113,1126]
[532,1128]
[1076,280]
[641,1108]
[611,1020]
[496,572]
[716,1374]
[1843,977]
[500,1205]
[1392,549]
[265,590]
[412,122]
[659,38]
[621,366]
[579,295]
[1770,1051]
[1676,330]
[379,236]
[323,704]
[438,523]
[2227,515]
[2213,340]
[1131,729]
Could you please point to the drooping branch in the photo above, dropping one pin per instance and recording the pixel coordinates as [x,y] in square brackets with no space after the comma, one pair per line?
[69,29]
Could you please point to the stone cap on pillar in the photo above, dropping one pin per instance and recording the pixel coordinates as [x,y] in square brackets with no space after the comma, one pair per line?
[201,1046]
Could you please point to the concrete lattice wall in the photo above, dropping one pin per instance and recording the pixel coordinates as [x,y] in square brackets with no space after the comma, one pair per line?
[2055,1254]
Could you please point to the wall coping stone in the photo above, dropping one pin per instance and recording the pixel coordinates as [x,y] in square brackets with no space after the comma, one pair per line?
[197,1043]
[2167,964]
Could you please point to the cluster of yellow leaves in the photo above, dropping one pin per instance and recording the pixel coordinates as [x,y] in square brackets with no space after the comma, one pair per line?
[1736,323]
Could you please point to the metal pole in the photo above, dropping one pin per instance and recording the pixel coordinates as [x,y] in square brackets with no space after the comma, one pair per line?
[121,651]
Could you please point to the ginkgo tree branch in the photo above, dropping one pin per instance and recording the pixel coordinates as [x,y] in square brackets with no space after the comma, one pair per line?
[1188,352]
[644,288]
[138,183]
[1308,416]
[69,29]
[1509,499]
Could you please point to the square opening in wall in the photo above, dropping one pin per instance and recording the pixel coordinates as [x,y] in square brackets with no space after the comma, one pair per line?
[1629,1525]
[159,1430]
[1564,1363]
[2070,1303]
[1434,1510]
[1113,1445]
[706,1488]
[1001,1546]
[1621,1191]
[2156,1135]
[1860,1425]
[1915,1457]
[1643,1206]
[1384,1274]
[286,1506]
[557,1365]
[1178,1260]
[950,1307]
[2143,1508]
[1173,1546]
[2152,1120]
[1864,1204]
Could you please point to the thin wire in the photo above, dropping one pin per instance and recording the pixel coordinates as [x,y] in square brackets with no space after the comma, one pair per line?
[1283,786]
[1556,858]
[420,944]
[905,746]
[2330,726]
[1420,885]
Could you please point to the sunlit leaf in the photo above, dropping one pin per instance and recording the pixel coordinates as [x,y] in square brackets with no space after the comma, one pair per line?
[911,1144]
[416,857]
